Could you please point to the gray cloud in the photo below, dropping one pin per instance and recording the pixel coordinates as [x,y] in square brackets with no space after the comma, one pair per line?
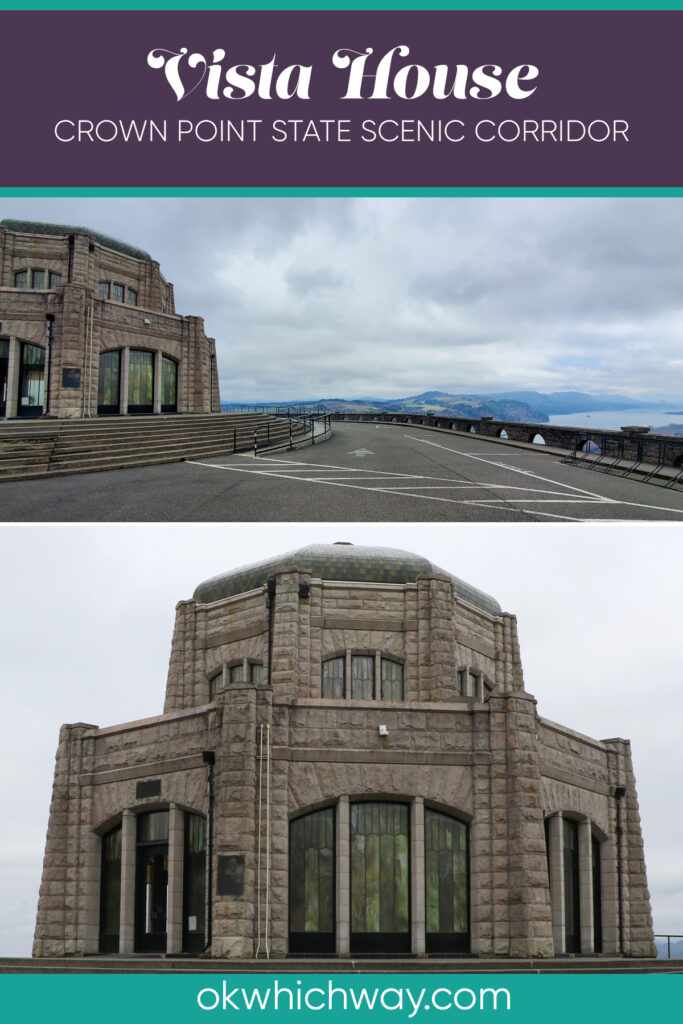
[395,295]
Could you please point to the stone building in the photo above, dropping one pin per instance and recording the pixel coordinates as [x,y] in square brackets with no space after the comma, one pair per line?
[347,763]
[88,327]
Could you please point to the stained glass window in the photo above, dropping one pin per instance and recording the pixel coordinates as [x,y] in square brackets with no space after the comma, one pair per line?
[362,677]
[153,827]
[140,379]
[333,678]
[108,382]
[169,385]
[445,881]
[392,680]
[380,889]
[311,882]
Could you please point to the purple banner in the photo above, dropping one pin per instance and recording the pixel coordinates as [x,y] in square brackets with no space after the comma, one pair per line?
[121,99]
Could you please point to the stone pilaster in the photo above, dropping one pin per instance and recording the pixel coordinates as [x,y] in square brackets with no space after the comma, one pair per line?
[182,663]
[174,922]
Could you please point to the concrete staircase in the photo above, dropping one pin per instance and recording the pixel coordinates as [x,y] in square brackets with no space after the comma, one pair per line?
[40,448]
[187,965]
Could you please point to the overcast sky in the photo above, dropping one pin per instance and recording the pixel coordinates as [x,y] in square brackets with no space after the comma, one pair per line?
[86,614]
[326,297]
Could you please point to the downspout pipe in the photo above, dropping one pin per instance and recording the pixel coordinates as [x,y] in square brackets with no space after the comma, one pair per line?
[50,318]
[209,759]
[619,794]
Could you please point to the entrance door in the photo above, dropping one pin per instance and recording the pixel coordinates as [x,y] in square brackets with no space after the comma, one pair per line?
[151,884]
[4,363]
[380,879]
[31,380]
[108,384]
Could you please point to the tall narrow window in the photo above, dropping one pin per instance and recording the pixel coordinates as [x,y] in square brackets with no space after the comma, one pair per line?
[119,292]
[570,834]
[31,380]
[215,683]
[255,673]
[446,883]
[110,891]
[392,680]
[108,384]
[169,385]
[55,279]
[311,883]
[597,896]
[21,279]
[131,297]
[103,290]
[194,883]
[380,878]
[237,673]
[460,682]
[333,685]
[38,279]
[362,677]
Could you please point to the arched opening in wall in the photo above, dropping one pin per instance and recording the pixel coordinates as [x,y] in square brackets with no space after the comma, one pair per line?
[110,891]
[109,384]
[151,882]
[194,883]
[503,433]
[312,883]
[591,447]
[380,878]
[393,419]
[375,419]
[31,381]
[446,884]
[454,426]
[537,439]
[422,422]
[140,381]
[471,429]
[360,419]
[438,423]
[409,420]
[169,385]
[4,372]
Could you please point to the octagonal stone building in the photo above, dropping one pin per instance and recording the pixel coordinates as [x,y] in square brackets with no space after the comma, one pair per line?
[88,327]
[347,764]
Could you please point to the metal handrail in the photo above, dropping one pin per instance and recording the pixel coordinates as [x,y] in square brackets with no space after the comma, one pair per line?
[668,945]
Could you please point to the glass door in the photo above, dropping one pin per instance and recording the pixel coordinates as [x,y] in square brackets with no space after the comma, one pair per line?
[108,384]
[151,884]
[380,879]
[140,381]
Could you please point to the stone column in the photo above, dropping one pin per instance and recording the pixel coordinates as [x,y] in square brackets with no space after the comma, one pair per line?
[123,383]
[556,843]
[417,883]
[586,887]
[13,370]
[91,916]
[174,916]
[343,895]
[128,843]
[156,406]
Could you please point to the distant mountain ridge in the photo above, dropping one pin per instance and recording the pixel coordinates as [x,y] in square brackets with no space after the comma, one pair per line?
[515,406]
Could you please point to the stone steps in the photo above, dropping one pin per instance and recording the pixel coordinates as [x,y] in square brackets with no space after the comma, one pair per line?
[314,965]
[54,448]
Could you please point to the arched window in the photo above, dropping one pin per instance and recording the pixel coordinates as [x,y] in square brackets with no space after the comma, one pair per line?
[446,884]
[333,685]
[108,384]
[380,878]
[311,883]
[110,891]
[140,381]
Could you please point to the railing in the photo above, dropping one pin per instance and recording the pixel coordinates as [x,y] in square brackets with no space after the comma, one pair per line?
[303,429]
[603,448]
[664,952]
[274,410]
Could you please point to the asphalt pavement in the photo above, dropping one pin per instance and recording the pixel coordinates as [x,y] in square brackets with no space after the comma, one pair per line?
[367,472]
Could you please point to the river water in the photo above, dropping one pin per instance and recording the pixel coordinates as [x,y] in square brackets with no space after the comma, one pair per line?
[609,419]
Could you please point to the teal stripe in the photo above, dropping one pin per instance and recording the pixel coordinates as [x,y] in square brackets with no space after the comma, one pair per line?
[514,193]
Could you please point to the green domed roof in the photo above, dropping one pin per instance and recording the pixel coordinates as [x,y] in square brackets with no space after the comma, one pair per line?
[39,227]
[344,562]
